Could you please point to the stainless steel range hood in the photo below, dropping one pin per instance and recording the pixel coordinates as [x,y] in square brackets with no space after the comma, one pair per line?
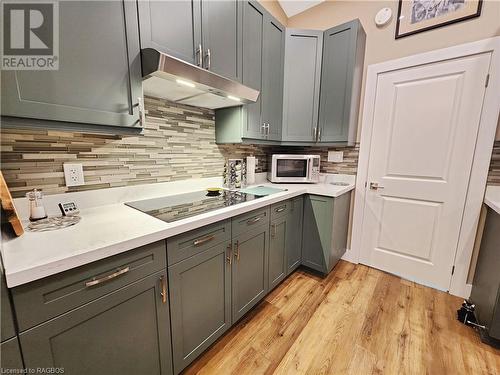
[176,80]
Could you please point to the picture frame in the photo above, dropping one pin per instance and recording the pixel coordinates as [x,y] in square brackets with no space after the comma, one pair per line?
[416,16]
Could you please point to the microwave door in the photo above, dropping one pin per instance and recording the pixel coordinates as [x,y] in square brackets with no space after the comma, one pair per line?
[292,170]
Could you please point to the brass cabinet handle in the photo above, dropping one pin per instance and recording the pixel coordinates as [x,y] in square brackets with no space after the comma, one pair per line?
[203,240]
[237,252]
[273,230]
[280,209]
[94,281]
[163,292]
[254,220]
[229,258]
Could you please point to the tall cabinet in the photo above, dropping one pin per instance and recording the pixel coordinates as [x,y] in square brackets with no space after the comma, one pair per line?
[341,76]
[263,42]
[303,51]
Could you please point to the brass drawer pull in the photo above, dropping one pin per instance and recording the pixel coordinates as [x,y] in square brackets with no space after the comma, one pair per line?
[254,220]
[203,240]
[280,209]
[237,251]
[163,292]
[94,282]
[229,257]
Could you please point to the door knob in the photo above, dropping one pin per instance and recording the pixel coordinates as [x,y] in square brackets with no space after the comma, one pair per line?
[375,186]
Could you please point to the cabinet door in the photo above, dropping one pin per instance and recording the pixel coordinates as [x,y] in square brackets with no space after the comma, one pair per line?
[7,329]
[303,50]
[10,356]
[277,251]
[337,82]
[249,269]
[99,76]
[124,332]
[252,50]
[171,27]
[200,303]
[272,76]
[221,29]
[294,235]
[318,218]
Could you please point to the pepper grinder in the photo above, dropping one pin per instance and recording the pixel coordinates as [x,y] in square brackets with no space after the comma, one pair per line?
[37,210]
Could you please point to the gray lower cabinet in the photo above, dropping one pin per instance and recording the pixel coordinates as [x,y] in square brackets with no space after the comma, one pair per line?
[325,229]
[303,51]
[200,295]
[341,76]
[277,250]
[10,356]
[171,27]
[99,77]
[294,235]
[123,332]
[249,269]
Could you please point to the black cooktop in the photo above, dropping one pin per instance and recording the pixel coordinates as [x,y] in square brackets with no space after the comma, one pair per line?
[177,207]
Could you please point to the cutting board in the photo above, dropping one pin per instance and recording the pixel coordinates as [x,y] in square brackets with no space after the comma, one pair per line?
[8,208]
[262,190]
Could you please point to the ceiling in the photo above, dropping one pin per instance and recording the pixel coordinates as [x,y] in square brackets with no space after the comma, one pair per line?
[293,7]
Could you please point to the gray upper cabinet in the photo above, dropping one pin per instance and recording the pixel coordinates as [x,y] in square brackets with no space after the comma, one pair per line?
[221,30]
[124,332]
[263,42]
[272,78]
[303,51]
[202,32]
[200,291]
[171,27]
[99,76]
[341,75]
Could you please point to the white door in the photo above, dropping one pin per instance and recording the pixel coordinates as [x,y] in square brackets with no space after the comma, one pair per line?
[425,124]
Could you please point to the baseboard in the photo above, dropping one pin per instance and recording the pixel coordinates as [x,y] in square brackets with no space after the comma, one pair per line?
[349,257]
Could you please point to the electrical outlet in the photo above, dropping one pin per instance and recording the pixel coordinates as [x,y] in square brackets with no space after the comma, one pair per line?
[73,174]
[336,156]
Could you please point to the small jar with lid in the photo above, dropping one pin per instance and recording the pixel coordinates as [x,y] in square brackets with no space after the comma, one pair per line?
[37,210]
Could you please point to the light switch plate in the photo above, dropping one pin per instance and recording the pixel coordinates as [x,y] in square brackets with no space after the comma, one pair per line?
[336,156]
[73,174]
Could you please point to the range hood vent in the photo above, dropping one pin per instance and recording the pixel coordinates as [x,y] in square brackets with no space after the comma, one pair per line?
[178,81]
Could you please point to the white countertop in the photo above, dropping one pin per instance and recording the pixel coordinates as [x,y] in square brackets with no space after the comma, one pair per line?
[492,197]
[107,230]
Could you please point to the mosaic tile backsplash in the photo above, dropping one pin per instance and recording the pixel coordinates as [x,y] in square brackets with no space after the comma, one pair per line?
[178,142]
[494,174]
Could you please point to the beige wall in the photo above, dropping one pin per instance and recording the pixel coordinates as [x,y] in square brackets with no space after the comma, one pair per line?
[380,42]
[273,7]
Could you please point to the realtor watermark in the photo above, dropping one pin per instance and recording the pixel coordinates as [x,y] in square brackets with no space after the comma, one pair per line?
[30,35]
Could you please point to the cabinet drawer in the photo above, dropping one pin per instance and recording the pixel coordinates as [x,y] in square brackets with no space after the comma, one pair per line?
[280,209]
[244,222]
[193,242]
[43,299]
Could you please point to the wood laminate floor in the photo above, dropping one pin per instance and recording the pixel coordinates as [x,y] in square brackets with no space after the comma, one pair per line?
[358,321]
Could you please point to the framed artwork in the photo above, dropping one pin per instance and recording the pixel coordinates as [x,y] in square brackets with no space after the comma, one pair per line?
[415,16]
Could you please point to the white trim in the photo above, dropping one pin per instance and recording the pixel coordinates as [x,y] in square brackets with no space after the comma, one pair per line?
[482,155]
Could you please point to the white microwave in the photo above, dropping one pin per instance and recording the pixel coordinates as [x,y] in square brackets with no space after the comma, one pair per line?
[293,168]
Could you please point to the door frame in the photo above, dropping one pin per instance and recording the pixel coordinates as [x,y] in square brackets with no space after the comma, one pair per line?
[482,154]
